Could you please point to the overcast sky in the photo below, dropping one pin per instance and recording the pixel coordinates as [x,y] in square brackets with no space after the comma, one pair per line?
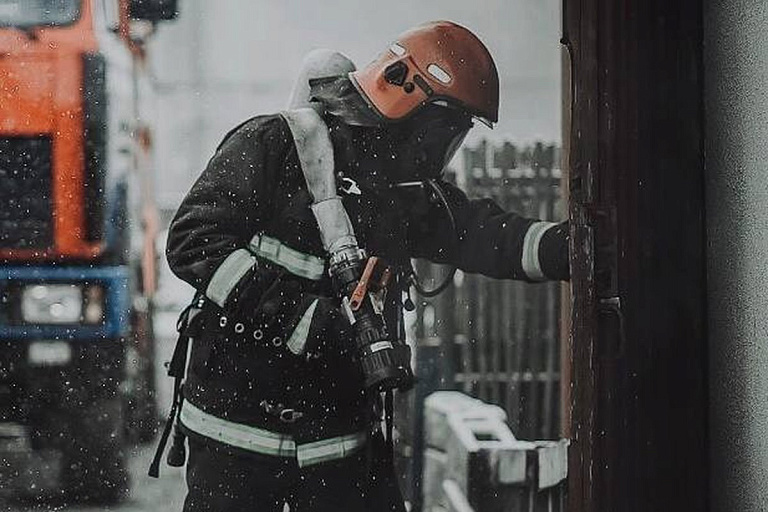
[225,61]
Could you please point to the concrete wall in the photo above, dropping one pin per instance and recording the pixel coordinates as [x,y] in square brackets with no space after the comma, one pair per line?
[736,102]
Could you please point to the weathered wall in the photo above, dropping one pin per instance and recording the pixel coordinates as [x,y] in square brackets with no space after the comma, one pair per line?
[736,103]
[639,392]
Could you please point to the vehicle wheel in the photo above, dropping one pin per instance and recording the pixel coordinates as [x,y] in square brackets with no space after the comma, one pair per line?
[95,467]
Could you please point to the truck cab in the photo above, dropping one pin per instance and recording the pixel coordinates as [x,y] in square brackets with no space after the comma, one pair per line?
[77,231]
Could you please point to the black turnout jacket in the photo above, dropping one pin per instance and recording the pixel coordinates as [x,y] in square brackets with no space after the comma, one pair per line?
[245,237]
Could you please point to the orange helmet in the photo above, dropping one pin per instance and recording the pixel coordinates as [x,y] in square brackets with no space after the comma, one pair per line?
[436,62]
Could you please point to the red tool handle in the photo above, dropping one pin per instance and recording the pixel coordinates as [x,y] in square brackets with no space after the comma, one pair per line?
[356,300]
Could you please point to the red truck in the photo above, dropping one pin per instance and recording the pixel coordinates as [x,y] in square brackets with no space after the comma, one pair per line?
[77,231]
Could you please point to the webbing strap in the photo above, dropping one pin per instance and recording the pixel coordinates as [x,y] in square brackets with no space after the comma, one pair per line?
[389,419]
[263,441]
[176,369]
[154,467]
[295,262]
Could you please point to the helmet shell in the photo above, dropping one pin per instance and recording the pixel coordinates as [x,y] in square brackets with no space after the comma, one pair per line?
[434,62]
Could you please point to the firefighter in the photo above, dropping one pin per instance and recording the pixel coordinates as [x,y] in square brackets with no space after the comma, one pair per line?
[275,406]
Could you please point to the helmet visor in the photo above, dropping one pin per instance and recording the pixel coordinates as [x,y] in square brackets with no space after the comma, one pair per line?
[428,140]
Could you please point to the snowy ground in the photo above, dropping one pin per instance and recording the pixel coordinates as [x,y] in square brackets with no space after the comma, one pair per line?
[147,495]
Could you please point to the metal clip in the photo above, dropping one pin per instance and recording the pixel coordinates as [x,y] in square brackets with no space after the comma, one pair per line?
[349,186]
[285,414]
[290,415]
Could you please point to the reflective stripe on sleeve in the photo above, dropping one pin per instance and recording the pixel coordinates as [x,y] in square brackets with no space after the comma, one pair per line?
[530,256]
[298,340]
[265,442]
[235,434]
[229,273]
[329,449]
[297,263]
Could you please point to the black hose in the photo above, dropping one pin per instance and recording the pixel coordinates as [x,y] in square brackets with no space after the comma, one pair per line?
[413,278]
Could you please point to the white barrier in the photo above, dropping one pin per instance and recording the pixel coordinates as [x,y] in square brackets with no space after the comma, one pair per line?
[472,461]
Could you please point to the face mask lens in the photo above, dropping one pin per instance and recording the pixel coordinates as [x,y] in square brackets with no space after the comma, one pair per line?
[454,146]
[428,141]
[442,137]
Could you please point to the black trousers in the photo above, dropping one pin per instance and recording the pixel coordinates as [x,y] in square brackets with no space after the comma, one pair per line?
[222,480]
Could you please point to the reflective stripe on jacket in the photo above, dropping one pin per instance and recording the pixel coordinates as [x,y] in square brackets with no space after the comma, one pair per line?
[259,440]
[245,236]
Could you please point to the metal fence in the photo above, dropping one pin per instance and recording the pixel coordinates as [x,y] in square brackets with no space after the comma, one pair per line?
[500,339]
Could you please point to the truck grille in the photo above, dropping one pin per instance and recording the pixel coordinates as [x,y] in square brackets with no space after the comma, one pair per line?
[26,220]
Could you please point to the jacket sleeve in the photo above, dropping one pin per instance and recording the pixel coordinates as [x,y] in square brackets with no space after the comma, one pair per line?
[230,201]
[487,240]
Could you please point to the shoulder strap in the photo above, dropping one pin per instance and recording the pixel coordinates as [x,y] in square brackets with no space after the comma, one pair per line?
[315,152]
[177,369]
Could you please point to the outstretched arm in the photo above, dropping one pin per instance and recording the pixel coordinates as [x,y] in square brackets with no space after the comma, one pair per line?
[487,240]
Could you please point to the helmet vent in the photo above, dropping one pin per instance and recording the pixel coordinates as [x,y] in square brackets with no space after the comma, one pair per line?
[439,73]
[397,49]
[396,73]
